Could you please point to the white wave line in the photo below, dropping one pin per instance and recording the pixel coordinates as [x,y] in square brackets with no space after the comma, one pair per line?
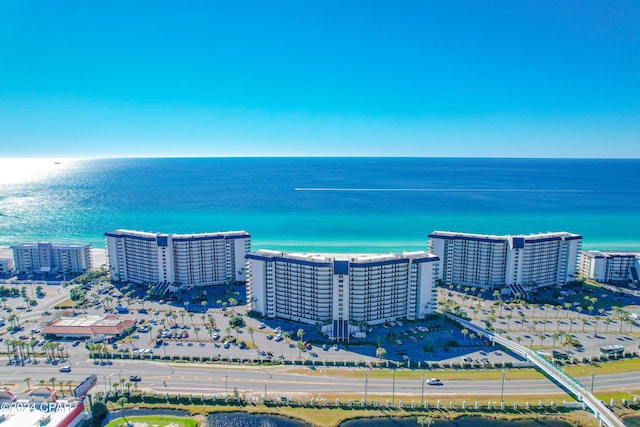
[445,190]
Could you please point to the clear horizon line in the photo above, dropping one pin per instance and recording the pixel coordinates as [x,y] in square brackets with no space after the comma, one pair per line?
[292,156]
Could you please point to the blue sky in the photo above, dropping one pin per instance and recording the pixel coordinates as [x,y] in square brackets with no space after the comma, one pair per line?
[291,78]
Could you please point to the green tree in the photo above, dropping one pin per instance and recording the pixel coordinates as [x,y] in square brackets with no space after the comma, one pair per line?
[123,401]
[251,331]
[300,347]
[465,332]
[381,353]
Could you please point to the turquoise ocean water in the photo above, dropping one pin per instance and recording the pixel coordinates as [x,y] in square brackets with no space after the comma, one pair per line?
[322,204]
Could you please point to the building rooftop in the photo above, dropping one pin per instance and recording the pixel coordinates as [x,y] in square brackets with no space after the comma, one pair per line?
[89,325]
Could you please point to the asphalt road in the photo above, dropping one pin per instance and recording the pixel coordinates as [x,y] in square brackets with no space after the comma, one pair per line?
[211,380]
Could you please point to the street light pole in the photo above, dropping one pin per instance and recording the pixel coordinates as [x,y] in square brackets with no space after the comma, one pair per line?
[366,383]
[502,388]
[393,387]
[226,393]
[593,377]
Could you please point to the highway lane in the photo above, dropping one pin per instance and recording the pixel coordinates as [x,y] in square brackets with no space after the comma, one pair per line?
[211,379]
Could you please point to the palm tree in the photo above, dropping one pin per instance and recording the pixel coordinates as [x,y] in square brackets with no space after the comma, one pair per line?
[26,380]
[212,322]
[191,317]
[509,317]
[69,386]
[41,382]
[53,382]
[567,306]
[300,334]
[381,353]
[465,332]
[251,331]
[424,420]
[546,309]
[123,401]
[300,347]
[195,331]
[542,338]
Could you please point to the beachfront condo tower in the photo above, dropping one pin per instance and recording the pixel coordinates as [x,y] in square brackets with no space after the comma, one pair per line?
[180,260]
[519,263]
[610,267]
[342,290]
[51,258]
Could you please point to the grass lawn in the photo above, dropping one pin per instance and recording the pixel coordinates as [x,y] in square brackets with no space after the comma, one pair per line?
[67,303]
[154,421]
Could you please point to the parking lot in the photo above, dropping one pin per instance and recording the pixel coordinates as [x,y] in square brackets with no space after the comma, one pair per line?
[173,328]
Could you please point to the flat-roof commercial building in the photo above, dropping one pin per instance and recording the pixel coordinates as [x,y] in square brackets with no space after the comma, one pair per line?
[51,258]
[110,326]
[489,261]
[605,266]
[334,289]
[178,259]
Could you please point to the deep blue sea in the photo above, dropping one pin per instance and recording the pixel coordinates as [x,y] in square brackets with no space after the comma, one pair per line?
[321,204]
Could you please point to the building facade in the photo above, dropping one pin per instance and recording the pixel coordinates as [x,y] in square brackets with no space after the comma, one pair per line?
[605,267]
[337,289]
[177,259]
[524,261]
[6,265]
[51,258]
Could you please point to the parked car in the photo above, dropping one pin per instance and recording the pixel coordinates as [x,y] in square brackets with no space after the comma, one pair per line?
[76,343]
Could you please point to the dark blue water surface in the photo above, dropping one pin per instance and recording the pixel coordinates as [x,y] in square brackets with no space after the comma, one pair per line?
[326,204]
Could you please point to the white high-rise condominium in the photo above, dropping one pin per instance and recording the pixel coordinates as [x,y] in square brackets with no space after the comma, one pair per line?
[334,289]
[606,266]
[51,258]
[488,261]
[177,259]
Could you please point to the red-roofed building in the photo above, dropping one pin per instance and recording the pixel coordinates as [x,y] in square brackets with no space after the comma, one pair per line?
[89,326]
[42,394]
